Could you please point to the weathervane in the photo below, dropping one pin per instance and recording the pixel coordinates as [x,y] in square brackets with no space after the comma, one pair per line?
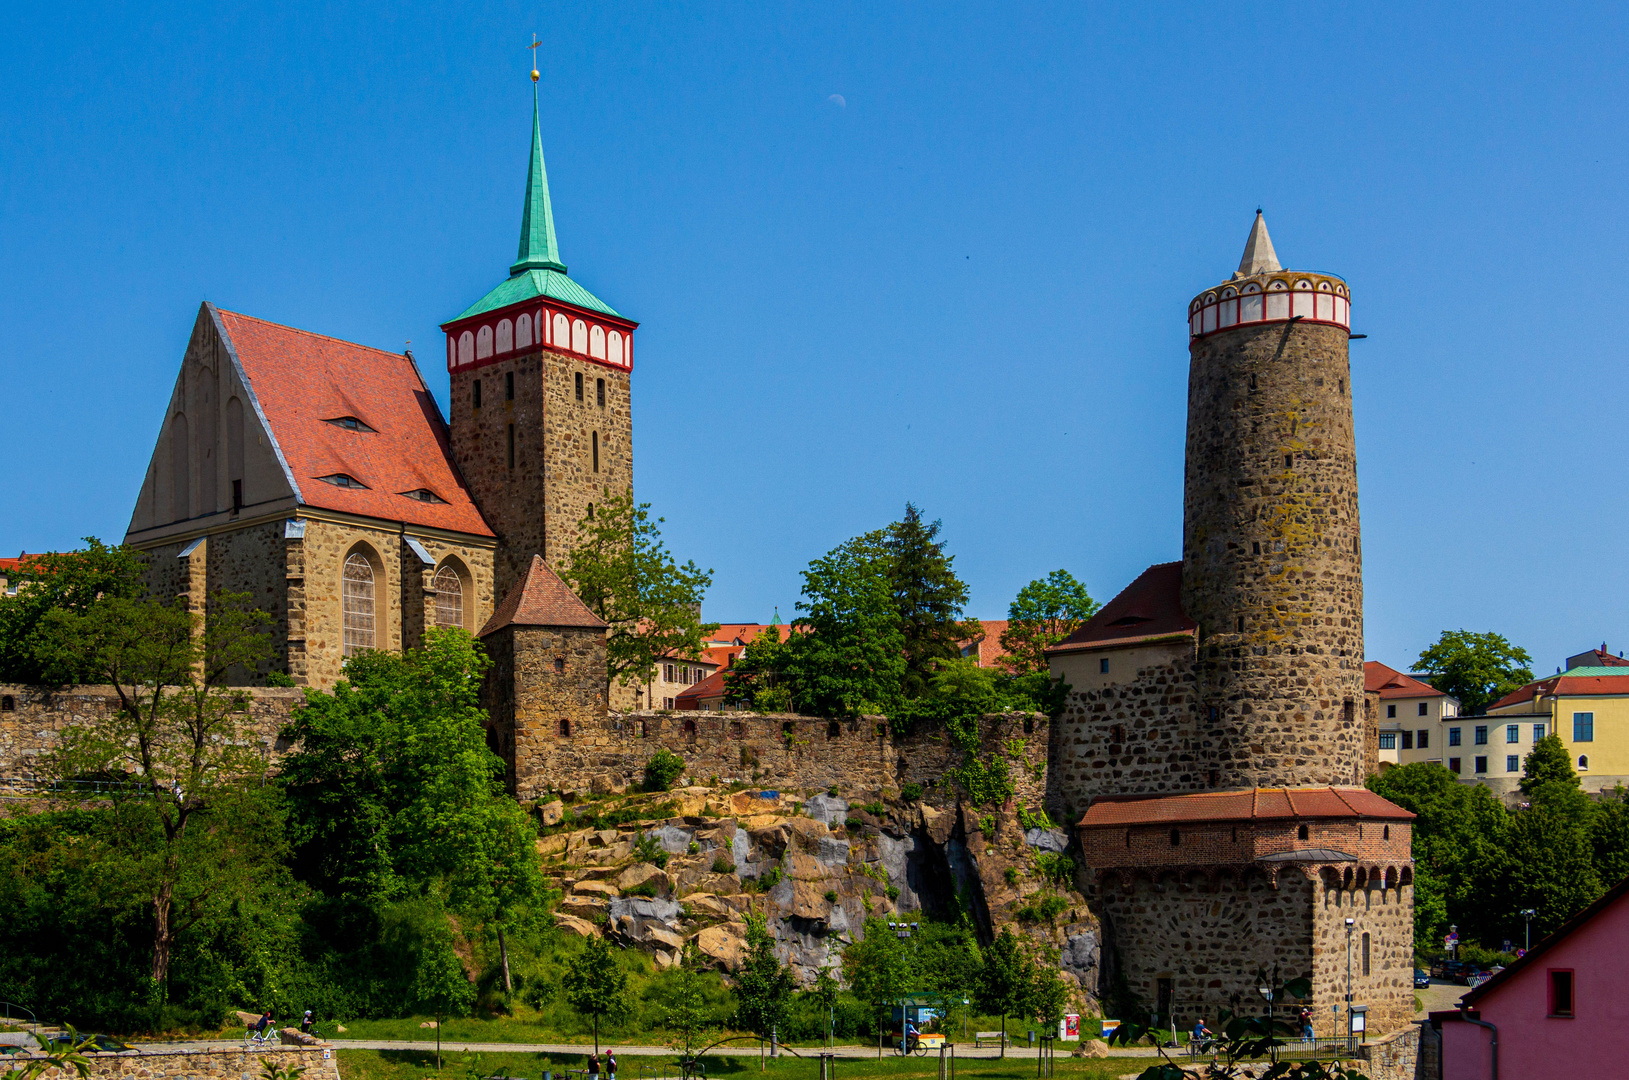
[533,46]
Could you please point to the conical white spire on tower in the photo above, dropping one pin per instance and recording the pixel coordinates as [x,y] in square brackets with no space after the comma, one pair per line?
[1259,256]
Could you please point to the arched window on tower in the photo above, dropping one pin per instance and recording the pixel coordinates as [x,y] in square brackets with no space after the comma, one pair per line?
[523,331]
[562,332]
[449,598]
[359,609]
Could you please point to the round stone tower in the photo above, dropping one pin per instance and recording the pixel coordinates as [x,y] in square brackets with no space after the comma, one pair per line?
[1271,560]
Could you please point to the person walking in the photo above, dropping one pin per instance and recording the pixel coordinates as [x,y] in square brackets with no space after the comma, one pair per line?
[594,1065]
[611,1064]
[1306,1025]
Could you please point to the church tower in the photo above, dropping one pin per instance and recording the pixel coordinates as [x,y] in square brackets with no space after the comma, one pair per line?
[541,413]
[1271,559]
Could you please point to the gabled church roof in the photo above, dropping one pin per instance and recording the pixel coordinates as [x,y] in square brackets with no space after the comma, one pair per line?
[537,270]
[541,599]
[1147,609]
[309,386]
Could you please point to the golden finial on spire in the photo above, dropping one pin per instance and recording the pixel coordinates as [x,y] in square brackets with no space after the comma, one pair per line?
[533,46]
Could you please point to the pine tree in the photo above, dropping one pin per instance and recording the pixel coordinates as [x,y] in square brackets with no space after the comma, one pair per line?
[928,597]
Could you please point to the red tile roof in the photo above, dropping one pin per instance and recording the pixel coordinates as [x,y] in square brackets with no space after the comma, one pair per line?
[989,642]
[1388,682]
[541,599]
[709,689]
[1247,805]
[1597,658]
[1566,686]
[1148,608]
[303,380]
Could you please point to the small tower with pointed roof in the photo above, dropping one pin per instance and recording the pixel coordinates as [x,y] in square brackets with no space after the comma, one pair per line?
[541,382]
[547,679]
[1271,558]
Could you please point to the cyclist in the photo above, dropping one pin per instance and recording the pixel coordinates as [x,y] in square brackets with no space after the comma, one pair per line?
[911,1037]
[307,1021]
[1202,1036]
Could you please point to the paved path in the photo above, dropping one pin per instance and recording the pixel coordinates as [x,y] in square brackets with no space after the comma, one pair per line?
[964,1051]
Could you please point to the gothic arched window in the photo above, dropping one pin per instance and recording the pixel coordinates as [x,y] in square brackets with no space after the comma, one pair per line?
[359,609]
[449,597]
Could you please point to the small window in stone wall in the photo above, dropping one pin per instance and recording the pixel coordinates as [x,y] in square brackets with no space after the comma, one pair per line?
[1365,954]
[1103,667]
[599,391]
[833,730]
[559,664]
[475,393]
[565,728]
[690,729]
[509,386]
[1117,733]
[738,730]
[641,730]
[8,704]
[579,386]
[1385,832]
[1176,838]
[1301,832]
[1128,838]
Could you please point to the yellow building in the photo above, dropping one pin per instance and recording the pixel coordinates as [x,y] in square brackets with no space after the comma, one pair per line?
[1588,707]
[1412,714]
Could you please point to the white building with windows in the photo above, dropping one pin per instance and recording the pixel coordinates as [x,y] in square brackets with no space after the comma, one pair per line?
[1412,714]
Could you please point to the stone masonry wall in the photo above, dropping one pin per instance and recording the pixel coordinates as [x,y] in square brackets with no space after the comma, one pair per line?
[1387,916]
[319,1063]
[1209,938]
[545,694]
[32,727]
[535,504]
[1272,566]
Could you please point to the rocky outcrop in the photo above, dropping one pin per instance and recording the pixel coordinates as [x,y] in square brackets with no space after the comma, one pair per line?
[813,868]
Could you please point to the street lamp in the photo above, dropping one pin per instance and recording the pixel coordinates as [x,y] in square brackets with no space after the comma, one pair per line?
[1350,1046]
[1527,932]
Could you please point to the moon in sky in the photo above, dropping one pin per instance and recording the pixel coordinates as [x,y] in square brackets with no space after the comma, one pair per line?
[838,100]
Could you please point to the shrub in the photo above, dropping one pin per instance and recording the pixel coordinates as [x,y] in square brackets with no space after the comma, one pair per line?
[911,792]
[831,896]
[644,888]
[875,809]
[723,865]
[648,850]
[832,791]
[892,891]
[1043,908]
[987,824]
[695,848]
[662,769]
[854,823]
[1011,875]
[1034,819]
[1056,868]
[279,678]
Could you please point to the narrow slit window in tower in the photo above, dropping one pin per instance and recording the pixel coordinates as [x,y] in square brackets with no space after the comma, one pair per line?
[511,446]
[590,511]
[475,393]
[599,391]
[559,664]
[509,386]
[579,386]
[1289,461]
[565,728]
[237,495]
[1252,380]
[1255,547]
[1365,954]
[1301,833]
[1176,838]
[596,442]
[1241,624]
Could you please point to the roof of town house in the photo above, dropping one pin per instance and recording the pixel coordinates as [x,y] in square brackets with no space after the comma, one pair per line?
[1388,682]
[1522,963]
[304,382]
[1251,804]
[989,642]
[1597,658]
[541,599]
[1148,608]
[722,655]
[14,564]
[1569,684]
[709,689]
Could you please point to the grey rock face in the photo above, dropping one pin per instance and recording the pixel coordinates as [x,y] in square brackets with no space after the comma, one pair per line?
[1080,955]
[1047,839]
[674,840]
[828,808]
[645,907]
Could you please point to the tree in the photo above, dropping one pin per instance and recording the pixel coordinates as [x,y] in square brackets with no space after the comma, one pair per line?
[626,576]
[1476,668]
[1609,835]
[1006,980]
[687,1008]
[825,992]
[393,790]
[1045,612]
[171,750]
[846,654]
[878,971]
[440,985]
[72,582]
[928,598]
[595,985]
[763,987]
[1547,763]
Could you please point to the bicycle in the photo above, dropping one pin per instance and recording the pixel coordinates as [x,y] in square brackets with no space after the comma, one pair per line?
[253,1038]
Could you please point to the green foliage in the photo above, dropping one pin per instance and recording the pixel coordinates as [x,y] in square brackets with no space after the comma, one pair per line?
[928,598]
[831,896]
[878,969]
[280,678]
[764,985]
[1547,763]
[1057,868]
[891,891]
[73,583]
[723,864]
[1042,907]
[595,985]
[647,849]
[1010,875]
[910,791]
[1006,978]
[663,768]
[1044,612]
[624,573]
[687,1006]
[875,809]
[1476,668]
[1034,819]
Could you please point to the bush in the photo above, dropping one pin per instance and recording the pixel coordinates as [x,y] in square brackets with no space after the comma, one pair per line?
[1056,868]
[832,791]
[723,865]
[875,809]
[1034,819]
[662,769]
[892,891]
[831,896]
[644,888]
[911,792]
[1011,874]
[1043,908]
[648,850]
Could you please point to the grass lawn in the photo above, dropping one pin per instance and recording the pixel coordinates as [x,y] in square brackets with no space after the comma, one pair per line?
[421,1065]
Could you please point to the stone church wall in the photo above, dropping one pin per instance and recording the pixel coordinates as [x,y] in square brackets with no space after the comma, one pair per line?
[1387,916]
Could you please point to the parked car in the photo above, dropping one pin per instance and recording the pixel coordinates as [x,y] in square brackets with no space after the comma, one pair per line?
[1422,978]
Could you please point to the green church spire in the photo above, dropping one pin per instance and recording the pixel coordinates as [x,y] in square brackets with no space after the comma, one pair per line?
[538,248]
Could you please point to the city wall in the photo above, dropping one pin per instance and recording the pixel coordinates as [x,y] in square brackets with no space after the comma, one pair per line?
[319,1063]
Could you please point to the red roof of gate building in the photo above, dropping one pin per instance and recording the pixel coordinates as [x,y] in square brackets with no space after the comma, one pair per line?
[1148,608]
[1388,682]
[303,381]
[1251,804]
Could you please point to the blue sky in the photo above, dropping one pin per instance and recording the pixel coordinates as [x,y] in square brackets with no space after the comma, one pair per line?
[965,286]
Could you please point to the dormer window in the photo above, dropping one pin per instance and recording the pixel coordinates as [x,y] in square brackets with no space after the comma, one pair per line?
[424,495]
[349,423]
[343,480]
